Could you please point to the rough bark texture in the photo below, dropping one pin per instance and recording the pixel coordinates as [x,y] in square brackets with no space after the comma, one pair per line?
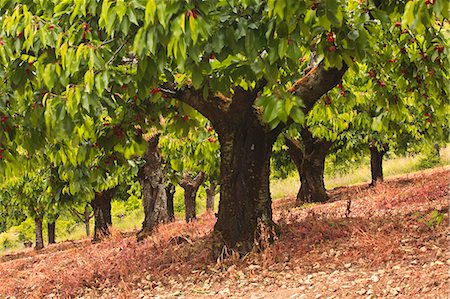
[310,162]
[101,204]
[190,187]
[210,194]
[245,209]
[246,146]
[376,164]
[87,218]
[170,192]
[38,233]
[154,197]
[51,227]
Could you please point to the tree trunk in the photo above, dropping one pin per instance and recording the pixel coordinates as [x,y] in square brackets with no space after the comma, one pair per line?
[190,187]
[245,207]
[246,146]
[210,194]
[38,233]
[170,192]
[154,198]
[376,163]
[102,213]
[51,227]
[437,148]
[310,163]
[87,218]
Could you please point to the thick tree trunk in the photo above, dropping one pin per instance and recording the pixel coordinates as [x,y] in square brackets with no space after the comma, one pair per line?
[246,145]
[154,198]
[310,162]
[170,192]
[101,204]
[38,233]
[51,228]
[245,207]
[210,194]
[376,163]
[190,187]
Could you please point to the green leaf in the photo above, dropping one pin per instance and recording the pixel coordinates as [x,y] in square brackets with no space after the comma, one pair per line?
[408,15]
[353,35]
[150,11]
[297,115]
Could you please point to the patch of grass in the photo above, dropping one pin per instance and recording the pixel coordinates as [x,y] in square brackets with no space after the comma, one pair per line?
[280,188]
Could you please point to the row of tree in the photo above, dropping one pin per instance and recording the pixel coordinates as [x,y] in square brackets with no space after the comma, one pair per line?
[84,80]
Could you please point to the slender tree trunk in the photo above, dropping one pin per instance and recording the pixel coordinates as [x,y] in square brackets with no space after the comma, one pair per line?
[437,148]
[154,196]
[102,213]
[51,228]
[38,233]
[87,219]
[170,192]
[310,162]
[376,163]
[210,194]
[190,187]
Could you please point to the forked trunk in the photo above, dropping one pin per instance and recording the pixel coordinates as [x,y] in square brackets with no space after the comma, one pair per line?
[245,212]
[154,197]
[245,207]
[51,227]
[310,162]
[210,194]
[190,187]
[376,163]
[101,204]
[170,192]
[38,233]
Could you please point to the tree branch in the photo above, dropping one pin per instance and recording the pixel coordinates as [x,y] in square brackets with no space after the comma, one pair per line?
[317,82]
[194,98]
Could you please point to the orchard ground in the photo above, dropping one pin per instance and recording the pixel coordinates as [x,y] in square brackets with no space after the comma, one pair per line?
[387,241]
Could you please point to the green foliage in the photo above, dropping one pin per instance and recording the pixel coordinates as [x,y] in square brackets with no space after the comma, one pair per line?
[429,157]
[25,230]
[6,243]
[193,149]
[281,165]
[432,219]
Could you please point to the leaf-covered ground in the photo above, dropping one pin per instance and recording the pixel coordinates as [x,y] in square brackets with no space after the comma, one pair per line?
[380,242]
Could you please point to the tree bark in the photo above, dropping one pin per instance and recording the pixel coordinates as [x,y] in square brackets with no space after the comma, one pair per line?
[437,148]
[51,228]
[210,194]
[154,198]
[101,204]
[170,192]
[310,162]
[38,233]
[190,187]
[376,163]
[245,207]
[246,146]
[87,220]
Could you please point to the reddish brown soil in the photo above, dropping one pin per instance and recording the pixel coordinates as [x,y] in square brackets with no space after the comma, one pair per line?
[377,242]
